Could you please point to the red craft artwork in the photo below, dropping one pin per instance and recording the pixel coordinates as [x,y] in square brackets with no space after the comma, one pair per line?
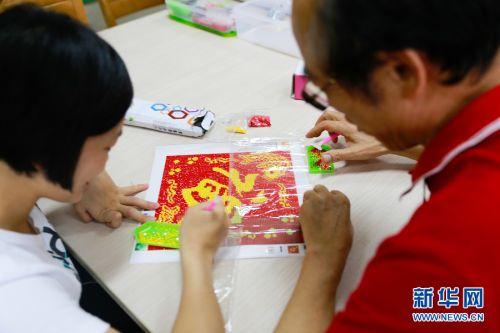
[261,185]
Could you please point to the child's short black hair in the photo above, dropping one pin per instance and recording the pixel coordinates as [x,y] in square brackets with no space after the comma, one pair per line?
[461,36]
[60,83]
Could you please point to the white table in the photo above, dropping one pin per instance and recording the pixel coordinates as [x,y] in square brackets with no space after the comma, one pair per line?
[172,62]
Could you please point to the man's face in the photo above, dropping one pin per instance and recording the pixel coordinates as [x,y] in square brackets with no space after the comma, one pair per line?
[390,117]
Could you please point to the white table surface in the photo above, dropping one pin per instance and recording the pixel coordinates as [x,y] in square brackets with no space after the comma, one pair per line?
[172,62]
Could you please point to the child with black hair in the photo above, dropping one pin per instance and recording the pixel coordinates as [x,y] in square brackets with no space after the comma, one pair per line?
[64,93]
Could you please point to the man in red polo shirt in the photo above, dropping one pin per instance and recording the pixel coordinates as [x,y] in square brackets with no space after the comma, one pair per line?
[410,73]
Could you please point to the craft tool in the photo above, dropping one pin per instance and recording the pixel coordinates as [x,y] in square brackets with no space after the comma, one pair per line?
[211,206]
[322,145]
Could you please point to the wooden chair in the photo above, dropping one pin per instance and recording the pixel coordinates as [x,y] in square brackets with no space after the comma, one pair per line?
[114,9]
[73,8]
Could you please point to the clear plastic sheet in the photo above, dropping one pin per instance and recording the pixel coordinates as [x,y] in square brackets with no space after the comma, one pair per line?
[225,265]
[271,195]
[268,177]
[224,275]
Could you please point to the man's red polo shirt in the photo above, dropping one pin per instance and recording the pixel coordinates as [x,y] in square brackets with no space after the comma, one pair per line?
[452,240]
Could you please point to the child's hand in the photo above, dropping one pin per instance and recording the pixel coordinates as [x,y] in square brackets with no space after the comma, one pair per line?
[202,231]
[105,202]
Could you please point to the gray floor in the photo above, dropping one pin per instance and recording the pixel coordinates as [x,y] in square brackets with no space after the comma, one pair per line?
[96,18]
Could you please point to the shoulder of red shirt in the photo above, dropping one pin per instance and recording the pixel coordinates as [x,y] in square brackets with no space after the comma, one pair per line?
[451,239]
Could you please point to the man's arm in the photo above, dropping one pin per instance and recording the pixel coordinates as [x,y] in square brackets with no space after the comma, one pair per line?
[412,153]
[325,221]
[311,306]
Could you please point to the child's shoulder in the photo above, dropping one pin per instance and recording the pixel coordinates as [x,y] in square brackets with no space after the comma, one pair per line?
[18,257]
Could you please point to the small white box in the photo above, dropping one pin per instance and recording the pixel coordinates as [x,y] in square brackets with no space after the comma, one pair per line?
[267,23]
[169,118]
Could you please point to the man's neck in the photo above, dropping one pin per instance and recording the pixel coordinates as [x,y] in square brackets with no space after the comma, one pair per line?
[17,198]
[457,97]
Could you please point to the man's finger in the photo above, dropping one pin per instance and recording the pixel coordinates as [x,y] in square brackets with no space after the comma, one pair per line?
[331,114]
[336,155]
[133,189]
[323,117]
[331,126]
[133,214]
[311,194]
[336,114]
[321,190]
[138,202]
[341,198]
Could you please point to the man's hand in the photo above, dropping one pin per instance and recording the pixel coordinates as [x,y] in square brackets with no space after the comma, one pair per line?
[326,223]
[325,220]
[360,146]
[105,202]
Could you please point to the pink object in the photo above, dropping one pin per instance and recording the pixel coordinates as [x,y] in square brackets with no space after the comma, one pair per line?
[299,82]
[211,206]
[259,121]
[212,23]
[332,137]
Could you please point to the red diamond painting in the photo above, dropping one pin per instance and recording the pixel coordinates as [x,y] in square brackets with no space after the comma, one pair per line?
[261,185]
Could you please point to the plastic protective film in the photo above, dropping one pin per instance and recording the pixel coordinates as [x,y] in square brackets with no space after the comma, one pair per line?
[267,180]
[225,265]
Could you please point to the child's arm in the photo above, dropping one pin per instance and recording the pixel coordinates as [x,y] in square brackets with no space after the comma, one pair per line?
[202,232]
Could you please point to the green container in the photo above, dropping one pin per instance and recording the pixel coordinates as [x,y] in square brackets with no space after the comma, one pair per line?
[215,17]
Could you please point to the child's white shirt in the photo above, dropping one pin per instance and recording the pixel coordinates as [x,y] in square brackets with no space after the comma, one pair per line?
[39,286]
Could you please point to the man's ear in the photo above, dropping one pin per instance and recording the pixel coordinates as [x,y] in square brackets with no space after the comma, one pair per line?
[407,70]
